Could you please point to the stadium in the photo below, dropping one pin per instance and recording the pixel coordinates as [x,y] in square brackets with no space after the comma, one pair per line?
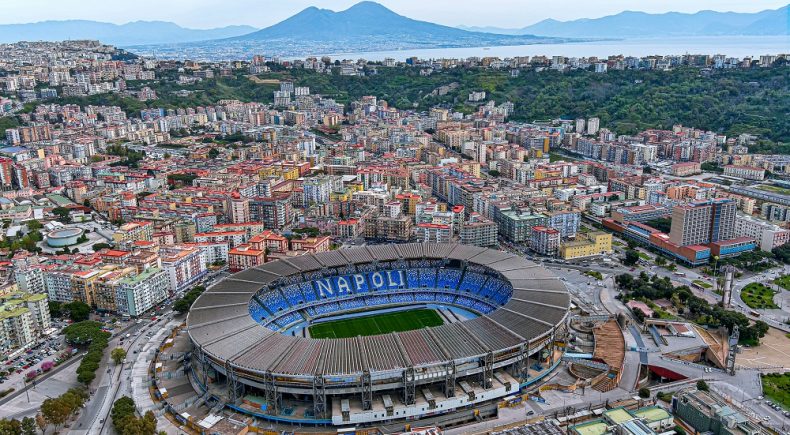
[411,330]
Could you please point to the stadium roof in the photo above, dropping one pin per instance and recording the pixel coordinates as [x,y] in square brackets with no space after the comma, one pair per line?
[220,322]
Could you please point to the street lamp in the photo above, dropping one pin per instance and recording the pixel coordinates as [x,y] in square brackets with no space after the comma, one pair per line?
[24,380]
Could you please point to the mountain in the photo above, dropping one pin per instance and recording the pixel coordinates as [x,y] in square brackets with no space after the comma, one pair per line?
[631,24]
[366,20]
[134,33]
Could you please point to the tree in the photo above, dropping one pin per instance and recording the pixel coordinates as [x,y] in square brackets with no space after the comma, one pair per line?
[100,246]
[54,411]
[631,257]
[88,332]
[126,422]
[118,354]
[494,173]
[41,423]
[122,408]
[213,153]
[702,385]
[78,311]
[28,426]
[63,214]
[183,304]
[644,392]
[782,253]
[55,309]
[33,225]
[10,427]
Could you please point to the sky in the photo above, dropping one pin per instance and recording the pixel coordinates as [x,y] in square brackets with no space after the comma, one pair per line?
[262,13]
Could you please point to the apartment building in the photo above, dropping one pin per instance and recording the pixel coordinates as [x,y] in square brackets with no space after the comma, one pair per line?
[767,235]
[134,231]
[138,293]
[700,223]
[587,245]
[245,256]
[478,231]
[183,267]
[745,172]
[545,240]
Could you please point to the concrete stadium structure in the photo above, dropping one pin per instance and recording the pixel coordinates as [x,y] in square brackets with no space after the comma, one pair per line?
[64,237]
[251,351]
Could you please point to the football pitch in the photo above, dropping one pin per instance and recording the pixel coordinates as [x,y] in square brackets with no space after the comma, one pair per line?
[376,324]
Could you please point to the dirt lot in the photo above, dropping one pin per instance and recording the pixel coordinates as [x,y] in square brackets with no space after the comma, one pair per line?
[773,352]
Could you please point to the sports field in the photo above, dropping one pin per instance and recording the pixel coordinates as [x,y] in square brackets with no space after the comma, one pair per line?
[376,324]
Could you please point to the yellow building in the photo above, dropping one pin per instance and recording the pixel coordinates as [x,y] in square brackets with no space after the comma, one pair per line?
[594,243]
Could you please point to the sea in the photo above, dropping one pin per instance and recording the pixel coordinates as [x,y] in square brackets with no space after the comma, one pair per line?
[731,46]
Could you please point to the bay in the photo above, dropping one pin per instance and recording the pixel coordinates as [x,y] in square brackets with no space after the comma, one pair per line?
[731,46]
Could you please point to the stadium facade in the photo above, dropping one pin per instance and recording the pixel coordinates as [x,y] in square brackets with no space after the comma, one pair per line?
[251,350]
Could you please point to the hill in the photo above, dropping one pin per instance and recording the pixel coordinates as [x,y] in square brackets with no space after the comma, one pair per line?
[631,24]
[134,33]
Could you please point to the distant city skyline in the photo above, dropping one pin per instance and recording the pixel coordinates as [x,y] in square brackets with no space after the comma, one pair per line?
[202,14]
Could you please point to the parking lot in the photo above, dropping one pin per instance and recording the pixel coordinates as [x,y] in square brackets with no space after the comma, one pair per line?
[14,370]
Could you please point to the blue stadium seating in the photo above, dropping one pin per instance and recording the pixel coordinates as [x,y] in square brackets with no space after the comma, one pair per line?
[491,287]
[350,304]
[273,301]
[472,289]
[427,278]
[293,294]
[308,292]
[401,298]
[329,307]
[472,282]
[289,319]
[448,278]
[444,297]
[376,300]
[473,304]
[424,297]
[257,312]
[413,278]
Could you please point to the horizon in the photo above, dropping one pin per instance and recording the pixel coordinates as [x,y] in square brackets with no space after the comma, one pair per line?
[174,12]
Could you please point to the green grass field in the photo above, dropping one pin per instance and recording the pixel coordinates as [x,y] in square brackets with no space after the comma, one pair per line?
[702,283]
[376,324]
[776,386]
[783,281]
[757,295]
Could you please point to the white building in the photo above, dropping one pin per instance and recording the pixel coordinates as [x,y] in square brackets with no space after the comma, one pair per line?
[767,235]
[745,172]
[593,124]
[183,266]
[136,294]
[23,316]
[16,329]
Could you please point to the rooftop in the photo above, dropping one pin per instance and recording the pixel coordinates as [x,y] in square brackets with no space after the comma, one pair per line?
[618,415]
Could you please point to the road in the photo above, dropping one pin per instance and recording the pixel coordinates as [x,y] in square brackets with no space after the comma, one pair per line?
[104,380]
